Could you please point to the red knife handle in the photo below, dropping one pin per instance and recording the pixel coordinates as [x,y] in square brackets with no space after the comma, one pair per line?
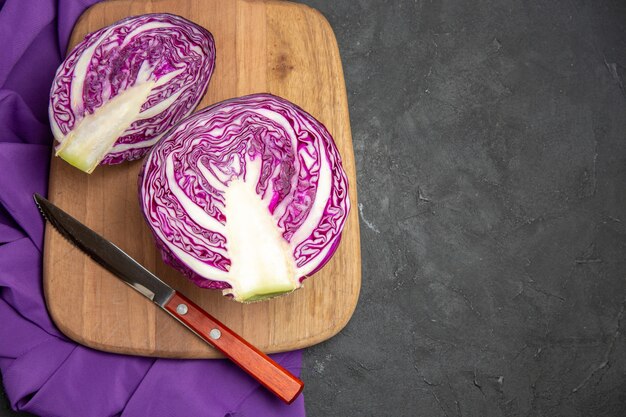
[260,366]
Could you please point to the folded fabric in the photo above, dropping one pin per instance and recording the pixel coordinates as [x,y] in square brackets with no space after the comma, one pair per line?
[43,372]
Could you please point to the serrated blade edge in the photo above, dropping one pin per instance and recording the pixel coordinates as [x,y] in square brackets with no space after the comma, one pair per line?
[105,253]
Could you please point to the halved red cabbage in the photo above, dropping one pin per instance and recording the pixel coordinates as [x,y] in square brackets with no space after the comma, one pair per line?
[247,195]
[125,85]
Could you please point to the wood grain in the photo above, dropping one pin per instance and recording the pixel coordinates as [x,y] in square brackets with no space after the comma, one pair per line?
[262,46]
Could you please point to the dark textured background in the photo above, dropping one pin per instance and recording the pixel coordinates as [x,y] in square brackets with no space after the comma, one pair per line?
[491,156]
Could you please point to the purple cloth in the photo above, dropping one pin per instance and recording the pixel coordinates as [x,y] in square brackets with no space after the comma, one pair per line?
[44,372]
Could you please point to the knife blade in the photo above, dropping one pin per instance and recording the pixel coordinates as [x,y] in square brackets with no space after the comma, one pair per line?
[266,371]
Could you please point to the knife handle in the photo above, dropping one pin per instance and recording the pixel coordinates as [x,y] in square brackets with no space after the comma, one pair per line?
[260,366]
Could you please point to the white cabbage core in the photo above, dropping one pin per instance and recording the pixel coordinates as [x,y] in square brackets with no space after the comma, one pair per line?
[262,262]
[94,136]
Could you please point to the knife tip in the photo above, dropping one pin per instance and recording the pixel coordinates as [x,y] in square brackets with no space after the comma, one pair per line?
[39,202]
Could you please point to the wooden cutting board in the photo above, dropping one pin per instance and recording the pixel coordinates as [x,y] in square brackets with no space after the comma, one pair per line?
[262,46]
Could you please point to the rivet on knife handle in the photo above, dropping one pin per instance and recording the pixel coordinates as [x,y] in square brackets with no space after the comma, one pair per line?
[269,373]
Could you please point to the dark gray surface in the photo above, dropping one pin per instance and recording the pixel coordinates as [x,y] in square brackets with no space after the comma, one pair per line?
[491,157]
[490,139]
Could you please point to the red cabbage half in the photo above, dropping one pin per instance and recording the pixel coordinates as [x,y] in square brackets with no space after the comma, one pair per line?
[125,85]
[247,195]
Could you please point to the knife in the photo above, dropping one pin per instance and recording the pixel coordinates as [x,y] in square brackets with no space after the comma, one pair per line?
[266,371]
